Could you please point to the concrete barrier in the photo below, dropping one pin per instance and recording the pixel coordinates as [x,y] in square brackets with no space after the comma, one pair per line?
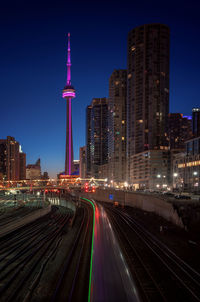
[25,220]
[146,202]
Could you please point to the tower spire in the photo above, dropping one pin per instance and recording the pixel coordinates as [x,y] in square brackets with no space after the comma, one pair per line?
[68,94]
[68,62]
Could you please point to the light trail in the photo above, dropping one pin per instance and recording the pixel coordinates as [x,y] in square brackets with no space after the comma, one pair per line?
[92,248]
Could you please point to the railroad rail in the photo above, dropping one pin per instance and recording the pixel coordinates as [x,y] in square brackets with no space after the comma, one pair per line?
[73,281]
[161,275]
[27,250]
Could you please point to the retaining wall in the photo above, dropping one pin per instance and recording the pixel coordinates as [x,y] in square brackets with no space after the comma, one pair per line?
[145,202]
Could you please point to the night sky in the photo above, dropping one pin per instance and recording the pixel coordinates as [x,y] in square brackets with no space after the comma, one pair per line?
[33,54]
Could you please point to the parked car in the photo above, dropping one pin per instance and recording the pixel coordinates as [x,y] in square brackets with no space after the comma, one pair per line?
[182,197]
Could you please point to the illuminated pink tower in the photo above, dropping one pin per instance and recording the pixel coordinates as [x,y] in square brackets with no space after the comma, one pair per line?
[68,93]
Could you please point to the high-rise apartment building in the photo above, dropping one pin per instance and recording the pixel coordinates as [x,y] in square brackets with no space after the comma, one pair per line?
[179,130]
[10,164]
[3,148]
[147,89]
[97,152]
[196,122]
[88,140]
[117,126]
[82,158]
[22,166]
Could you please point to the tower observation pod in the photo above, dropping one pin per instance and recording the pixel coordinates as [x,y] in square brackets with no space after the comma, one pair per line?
[68,94]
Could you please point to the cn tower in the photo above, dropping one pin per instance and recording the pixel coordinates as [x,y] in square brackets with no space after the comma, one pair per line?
[68,94]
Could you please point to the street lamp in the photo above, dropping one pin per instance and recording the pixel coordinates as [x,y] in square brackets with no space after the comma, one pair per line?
[160,182]
[174,181]
[195,173]
[125,184]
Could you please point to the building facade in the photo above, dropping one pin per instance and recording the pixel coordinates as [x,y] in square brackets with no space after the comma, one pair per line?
[76,163]
[179,130]
[186,167]
[22,165]
[82,155]
[10,164]
[97,139]
[196,122]
[147,89]
[117,127]
[33,171]
[88,140]
[150,170]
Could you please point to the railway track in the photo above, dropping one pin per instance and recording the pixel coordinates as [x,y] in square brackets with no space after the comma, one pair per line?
[28,253]
[73,281]
[17,213]
[25,253]
[161,275]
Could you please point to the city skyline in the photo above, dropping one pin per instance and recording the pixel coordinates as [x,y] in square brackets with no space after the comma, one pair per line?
[34,69]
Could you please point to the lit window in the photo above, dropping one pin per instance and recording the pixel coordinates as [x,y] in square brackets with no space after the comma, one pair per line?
[123,138]
[123,122]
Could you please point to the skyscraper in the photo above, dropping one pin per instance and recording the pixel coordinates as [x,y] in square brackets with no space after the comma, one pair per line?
[196,122]
[88,140]
[82,158]
[117,126]
[22,166]
[9,158]
[98,123]
[179,130]
[147,89]
[68,94]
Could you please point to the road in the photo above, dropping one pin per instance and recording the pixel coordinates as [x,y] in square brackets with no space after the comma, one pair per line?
[111,279]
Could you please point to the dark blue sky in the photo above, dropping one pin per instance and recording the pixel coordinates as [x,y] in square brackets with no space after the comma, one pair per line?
[33,64]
